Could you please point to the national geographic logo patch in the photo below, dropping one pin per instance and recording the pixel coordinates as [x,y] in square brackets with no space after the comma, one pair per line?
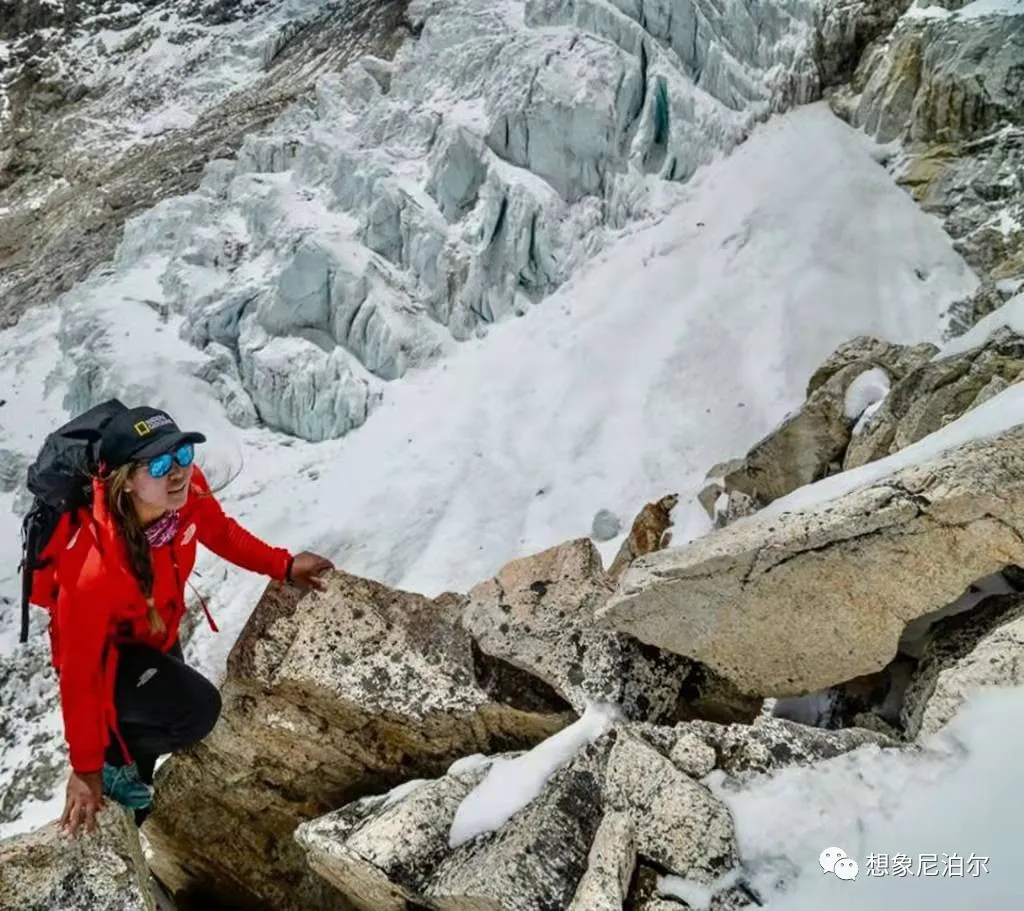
[146,427]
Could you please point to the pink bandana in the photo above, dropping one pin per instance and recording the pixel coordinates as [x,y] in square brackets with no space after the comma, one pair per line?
[163,530]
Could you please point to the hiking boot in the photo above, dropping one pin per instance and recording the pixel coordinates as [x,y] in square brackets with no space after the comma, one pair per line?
[122,784]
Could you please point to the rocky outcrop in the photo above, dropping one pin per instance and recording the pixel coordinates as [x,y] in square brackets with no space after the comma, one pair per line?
[45,871]
[965,654]
[335,696]
[948,88]
[847,29]
[869,400]
[537,615]
[811,443]
[766,746]
[330,697]
[612,820]
[848,574]
[935,393]
[865,352]
[940,79]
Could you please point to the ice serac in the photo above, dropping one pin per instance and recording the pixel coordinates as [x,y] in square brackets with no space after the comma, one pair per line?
[107,108]
[408,204]
[849,574]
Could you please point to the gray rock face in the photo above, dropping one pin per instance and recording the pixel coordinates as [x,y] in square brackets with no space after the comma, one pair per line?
[772,743]
[680,825]
[613,803]
[949,89]
[730,600]
[942,80]
[990,296]
[538,614]
[847,28]
[604,885]
[965,653]
[41,871]
[330,697]
[935,393]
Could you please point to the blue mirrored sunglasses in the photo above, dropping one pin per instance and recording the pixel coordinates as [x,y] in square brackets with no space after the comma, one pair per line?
[160,465]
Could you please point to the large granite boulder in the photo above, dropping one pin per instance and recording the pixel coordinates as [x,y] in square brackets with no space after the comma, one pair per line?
[330,697]
[847,575]
[44,870]
[537,613]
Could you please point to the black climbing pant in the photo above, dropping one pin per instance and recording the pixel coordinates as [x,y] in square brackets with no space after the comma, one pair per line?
[162,706]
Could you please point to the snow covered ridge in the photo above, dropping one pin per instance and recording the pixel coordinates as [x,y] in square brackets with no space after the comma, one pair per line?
[410,204]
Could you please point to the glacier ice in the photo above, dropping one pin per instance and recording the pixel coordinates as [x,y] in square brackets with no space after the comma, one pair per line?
[408,204]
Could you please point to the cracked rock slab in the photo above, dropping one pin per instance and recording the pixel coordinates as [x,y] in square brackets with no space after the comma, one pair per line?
[380,854]
[638,812]
[848,574]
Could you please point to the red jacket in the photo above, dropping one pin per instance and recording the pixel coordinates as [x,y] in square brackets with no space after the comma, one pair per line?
[98,600]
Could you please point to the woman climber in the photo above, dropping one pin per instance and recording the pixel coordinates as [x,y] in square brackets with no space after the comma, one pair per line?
[127,696]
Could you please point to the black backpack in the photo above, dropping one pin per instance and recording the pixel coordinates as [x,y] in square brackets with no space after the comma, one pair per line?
[60,480]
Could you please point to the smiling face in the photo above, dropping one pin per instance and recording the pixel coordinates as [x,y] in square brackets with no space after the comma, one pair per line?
[152,497]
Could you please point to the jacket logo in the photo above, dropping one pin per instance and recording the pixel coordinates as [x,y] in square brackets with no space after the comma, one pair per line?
[146,427]
[189,533]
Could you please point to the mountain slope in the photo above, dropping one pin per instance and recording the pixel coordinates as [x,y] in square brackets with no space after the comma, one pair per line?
[626,383]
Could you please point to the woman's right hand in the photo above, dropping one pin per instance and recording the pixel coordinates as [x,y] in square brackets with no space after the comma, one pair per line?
[84,800]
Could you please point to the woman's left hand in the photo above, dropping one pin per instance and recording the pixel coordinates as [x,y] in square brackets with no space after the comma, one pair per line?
[307,568]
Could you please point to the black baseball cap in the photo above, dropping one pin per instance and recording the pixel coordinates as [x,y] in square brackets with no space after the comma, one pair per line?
[142,433]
